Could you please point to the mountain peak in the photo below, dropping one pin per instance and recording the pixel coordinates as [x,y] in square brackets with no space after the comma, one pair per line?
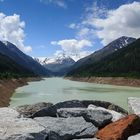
[105,51]
[59,64]
[121,42]
[5,42]
[57,59]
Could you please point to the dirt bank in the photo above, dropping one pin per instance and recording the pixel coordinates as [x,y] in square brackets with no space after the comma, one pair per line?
[7,88]
[121,81]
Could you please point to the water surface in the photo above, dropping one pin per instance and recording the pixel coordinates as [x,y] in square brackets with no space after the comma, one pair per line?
[58,89]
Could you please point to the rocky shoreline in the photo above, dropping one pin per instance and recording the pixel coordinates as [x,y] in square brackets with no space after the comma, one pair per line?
[8,86]
[71,120]
[120,81]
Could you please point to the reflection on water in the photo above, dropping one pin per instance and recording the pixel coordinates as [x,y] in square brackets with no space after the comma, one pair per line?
[57,89]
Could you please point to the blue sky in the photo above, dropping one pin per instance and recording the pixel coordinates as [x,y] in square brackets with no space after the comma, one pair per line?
[76,27]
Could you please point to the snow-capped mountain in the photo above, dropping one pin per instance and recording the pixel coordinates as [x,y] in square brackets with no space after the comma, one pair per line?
[122,63]
[121,42]
[105,51]
[59,64]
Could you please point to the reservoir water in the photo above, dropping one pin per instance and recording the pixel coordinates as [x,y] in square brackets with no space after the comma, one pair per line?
[58,89]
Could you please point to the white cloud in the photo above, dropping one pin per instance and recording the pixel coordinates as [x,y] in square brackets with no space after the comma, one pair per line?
[12,30]
[72,45]
[73,48]
[83,32]
[72,26]
[111,24]
[79,55]
[60,3]
[62,54]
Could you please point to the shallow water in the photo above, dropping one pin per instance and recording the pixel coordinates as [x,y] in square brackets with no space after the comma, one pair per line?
[58,89]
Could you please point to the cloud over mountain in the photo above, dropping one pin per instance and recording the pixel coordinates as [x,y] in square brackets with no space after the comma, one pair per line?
[73,47]
[12,30]
[120,22]
[111,24]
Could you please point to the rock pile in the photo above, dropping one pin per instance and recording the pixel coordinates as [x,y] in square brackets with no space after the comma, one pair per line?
[69,120]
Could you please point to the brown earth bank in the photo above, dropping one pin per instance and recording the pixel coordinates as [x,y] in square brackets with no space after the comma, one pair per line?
[121,81]
[8,86]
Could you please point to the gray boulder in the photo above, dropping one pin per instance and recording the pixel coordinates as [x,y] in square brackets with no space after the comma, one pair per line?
[135,137]
[99,118]
[15,126]
[28,110]
[33,136]
[68,128]
[19,137]
[104,104]
[52,110]
[8,113]
[115,115]
[71,112]
[134,105]
[54,136]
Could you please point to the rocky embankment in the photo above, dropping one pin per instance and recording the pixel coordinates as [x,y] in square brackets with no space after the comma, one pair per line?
[71,120]
[120,81]
[7,88]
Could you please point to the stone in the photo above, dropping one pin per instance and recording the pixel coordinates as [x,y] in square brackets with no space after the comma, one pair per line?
[135,137]
[115,115]
[104,104]
[53,136]
[121,129]
[71,112]
[6,112]
[98,117]
[33,136]
[29,110]
[52,110]
[68,128]
[19,137]
[14,126]
[134,105]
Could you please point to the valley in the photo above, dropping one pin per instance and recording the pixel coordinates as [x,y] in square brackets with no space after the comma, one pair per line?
[115,64]
[70,69]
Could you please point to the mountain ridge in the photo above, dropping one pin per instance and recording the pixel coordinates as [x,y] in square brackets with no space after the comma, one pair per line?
[122,63]
[10,50]
[108,49]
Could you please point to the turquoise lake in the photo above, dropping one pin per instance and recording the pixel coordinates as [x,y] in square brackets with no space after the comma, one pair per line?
[58,89]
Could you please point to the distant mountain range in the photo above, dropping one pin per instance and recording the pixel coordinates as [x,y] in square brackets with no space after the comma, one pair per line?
[21,61]
[107,50]
[58,65]
[119,58]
